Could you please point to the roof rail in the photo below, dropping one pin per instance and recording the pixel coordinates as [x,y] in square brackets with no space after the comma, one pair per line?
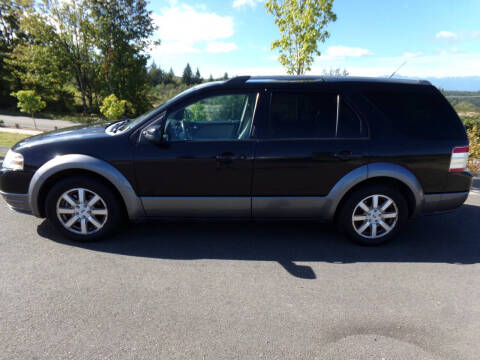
[237,80]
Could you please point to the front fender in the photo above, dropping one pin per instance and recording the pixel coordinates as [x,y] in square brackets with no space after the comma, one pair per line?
[89,163]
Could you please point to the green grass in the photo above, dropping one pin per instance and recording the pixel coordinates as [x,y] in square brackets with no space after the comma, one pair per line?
[10,139]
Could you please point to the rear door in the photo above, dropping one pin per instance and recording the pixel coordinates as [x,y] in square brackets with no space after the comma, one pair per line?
[309,141]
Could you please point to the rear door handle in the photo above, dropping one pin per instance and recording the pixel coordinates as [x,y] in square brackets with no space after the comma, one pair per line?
[347,155]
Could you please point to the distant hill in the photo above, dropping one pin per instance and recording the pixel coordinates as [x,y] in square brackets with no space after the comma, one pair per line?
[465,83]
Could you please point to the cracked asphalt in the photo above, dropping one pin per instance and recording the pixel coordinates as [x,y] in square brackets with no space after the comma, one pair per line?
[241,291]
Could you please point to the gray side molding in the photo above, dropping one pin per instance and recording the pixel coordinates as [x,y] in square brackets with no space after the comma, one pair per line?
[85,162]
[379,169]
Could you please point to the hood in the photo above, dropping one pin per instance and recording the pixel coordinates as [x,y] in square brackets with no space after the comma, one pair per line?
[83,132]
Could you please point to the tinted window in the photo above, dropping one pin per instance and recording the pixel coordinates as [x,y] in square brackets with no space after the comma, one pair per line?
[312,115]
[349,124]
[222,117]
[295,115]
[418,114]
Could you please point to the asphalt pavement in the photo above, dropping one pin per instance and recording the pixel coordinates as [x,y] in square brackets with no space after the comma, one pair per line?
[241,291]
[42,124]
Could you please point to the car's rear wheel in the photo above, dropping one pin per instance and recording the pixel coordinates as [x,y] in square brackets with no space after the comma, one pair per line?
[83,208]
[373,214]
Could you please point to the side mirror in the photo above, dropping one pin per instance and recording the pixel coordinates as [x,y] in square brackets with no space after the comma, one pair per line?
[154,134]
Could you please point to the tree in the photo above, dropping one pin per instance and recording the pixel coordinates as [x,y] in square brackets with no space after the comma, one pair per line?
[210,78]
[198,78]
[302,25]
[60,47]
[156,75]
[187,77]
[112,108]
[11,34]
[29,102]
[225,76]
[124,32]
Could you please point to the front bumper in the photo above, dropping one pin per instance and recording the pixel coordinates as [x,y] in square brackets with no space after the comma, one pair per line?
[14,188]
[17,202]
[443,202]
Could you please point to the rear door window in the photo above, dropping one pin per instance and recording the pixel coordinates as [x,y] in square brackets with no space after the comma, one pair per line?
[350,126]
[312,116]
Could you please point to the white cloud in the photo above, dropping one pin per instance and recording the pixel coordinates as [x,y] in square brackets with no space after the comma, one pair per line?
[182,28]
[345,52]
[221,47]
[475,34]
[444,64]
[446,35]
[242,3]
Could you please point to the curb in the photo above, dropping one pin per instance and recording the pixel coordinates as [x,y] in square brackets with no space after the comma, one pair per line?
[476,183]
[20,131]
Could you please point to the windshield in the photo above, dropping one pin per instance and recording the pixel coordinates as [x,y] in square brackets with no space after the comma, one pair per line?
[124,125]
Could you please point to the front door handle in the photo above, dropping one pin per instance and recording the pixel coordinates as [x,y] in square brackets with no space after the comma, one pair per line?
[225,158]
[347,155]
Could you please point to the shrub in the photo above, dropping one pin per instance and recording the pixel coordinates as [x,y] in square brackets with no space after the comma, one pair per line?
[29,102]
[474,139]
[112,108]
[471,121]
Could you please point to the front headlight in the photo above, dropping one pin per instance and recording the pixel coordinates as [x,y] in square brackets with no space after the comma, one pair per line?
[13,161]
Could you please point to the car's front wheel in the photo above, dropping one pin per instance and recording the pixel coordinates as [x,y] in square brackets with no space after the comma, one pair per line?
[373,214]
[83,208]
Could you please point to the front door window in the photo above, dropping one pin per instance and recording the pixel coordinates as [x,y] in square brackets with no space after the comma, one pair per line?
[214,118]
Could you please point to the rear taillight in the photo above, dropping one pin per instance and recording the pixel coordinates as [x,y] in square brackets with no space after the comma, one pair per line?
[459,159]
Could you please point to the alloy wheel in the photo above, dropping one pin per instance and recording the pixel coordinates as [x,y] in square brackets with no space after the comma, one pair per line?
[375,216]
[82,211]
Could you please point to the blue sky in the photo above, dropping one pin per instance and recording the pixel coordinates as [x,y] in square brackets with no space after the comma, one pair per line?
[437,38]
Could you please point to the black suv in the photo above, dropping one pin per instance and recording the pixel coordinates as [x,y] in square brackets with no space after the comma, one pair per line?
[366,153]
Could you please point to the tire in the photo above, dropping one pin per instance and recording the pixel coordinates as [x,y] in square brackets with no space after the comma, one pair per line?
[377,225]
[99,215]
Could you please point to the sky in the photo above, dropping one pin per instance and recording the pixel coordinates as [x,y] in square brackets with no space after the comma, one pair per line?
[436,38]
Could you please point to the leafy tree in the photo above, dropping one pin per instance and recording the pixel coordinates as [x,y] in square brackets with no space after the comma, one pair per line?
[61,46]
[123,34]
[37,68]
[225,76]
[29,102]
[210,78]
[112,108]
[11,34]
[198,78]
[187,77]
[302,25]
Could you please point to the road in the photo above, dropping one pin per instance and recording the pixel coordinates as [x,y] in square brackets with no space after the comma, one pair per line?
[241,291]
[42,124]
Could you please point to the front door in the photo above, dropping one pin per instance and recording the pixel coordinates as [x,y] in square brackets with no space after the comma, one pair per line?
[205,167]
[308,143]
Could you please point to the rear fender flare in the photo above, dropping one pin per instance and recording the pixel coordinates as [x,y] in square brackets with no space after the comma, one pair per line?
[370,171]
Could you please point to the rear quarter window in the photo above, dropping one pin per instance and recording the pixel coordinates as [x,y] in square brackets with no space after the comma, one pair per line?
[420,114]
